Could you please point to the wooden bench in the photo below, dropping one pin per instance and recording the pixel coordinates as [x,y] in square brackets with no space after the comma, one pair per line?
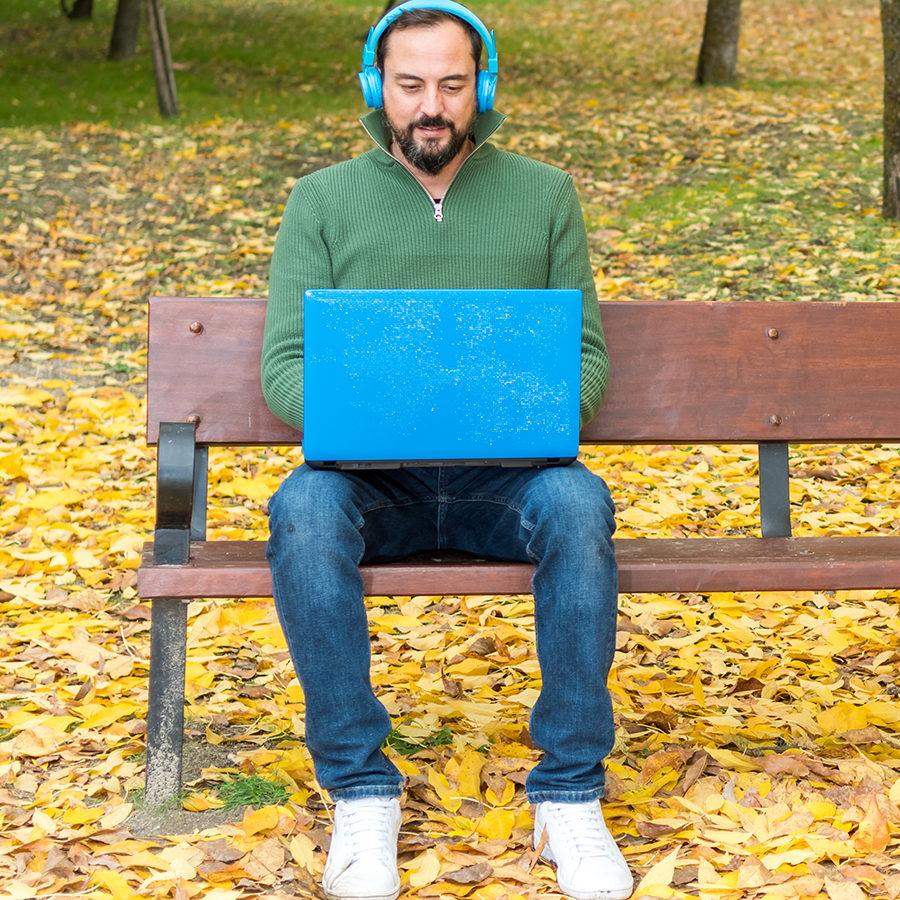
[682,373]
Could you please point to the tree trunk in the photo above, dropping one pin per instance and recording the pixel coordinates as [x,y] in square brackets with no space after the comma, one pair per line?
[81,9]
[890,30]
[717,63]
[123,43]
[163,71]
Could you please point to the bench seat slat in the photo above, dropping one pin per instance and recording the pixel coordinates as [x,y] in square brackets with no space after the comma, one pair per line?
[234,569]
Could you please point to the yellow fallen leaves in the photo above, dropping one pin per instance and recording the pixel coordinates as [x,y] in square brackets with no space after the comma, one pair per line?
[757,732]
[676,492]
[758,735]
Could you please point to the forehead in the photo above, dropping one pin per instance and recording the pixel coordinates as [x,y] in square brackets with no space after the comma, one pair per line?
[442,46]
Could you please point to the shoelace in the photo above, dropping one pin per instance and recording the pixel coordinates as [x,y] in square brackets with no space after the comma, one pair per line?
[584,829]
[367,828]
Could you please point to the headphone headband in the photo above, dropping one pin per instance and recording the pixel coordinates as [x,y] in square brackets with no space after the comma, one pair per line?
[449,6]
[370,77]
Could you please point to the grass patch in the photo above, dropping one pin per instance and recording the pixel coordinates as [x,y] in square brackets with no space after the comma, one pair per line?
[266,59]
[251,790]
[406,747]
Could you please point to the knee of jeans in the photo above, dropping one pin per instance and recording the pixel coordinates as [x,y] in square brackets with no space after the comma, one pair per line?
[312,503]
[581,510]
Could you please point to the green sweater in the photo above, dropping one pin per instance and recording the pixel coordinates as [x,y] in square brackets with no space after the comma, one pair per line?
[508,222]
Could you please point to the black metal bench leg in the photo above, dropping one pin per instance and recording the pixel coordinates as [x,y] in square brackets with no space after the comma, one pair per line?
[180,518]
[165,717]
[774,489]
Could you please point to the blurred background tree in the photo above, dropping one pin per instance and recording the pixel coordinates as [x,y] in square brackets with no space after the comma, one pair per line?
[890,29]
[717,63]
[81,9]
[123,42]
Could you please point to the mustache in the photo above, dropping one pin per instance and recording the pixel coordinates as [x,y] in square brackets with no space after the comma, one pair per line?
[431,122]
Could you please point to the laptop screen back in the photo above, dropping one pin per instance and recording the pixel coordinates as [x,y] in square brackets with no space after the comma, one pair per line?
[441,377]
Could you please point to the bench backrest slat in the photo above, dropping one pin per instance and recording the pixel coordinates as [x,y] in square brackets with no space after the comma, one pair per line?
[682,372]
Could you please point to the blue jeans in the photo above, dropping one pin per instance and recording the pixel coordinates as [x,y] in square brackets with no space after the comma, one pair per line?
[324,524]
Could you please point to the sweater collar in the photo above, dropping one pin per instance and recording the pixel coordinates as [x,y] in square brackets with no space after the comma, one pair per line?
[486,123]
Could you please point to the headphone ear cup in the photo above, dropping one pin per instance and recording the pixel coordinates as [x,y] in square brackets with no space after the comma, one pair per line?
[487,88]
[370,82]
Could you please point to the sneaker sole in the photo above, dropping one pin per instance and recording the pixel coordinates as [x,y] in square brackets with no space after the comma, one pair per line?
[596,895]
[621,894]
[393,895]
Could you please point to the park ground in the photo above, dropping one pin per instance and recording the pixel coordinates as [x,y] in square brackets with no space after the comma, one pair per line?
[759,734]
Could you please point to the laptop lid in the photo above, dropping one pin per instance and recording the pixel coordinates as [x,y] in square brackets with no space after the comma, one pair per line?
[400,378]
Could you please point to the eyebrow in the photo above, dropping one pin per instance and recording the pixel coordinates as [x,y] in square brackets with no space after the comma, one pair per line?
[400,75]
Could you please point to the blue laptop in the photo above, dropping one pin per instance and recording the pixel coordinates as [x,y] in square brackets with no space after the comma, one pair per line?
[441,378]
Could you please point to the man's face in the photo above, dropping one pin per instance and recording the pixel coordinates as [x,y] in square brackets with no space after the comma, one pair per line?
[429,93]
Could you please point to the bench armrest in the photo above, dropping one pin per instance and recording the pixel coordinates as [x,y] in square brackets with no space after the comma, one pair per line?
[181,493]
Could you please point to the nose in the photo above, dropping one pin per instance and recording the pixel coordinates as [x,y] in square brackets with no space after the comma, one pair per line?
[432,101]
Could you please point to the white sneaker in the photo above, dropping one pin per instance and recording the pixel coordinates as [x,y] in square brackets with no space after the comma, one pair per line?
[589,865]
[362,859]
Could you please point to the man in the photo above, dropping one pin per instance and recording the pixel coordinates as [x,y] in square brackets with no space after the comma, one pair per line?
[434,205]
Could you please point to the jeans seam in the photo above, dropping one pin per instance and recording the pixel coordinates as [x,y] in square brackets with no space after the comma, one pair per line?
[489,498]
[368,790]
[509,504]
[385,504]
[554,796]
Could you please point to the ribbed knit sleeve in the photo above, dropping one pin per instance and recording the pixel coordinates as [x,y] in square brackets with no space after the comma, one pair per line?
[300,261]
[570,267]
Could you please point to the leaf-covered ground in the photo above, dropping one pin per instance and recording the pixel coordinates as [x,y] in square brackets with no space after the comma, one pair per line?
[759,734]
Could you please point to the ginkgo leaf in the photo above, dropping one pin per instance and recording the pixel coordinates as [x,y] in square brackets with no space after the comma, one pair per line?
[48,499]
[264,819]
[873,834]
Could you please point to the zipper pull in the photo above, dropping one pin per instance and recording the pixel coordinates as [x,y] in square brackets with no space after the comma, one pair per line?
[438,210]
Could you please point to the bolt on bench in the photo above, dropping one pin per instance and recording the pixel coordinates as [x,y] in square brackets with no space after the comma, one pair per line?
[681,373]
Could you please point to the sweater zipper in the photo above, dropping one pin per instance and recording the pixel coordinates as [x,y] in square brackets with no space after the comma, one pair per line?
[438,204]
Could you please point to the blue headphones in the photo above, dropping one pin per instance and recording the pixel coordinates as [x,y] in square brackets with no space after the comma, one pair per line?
[370,77]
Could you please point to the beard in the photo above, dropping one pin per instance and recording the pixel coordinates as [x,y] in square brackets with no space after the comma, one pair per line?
[430,157]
